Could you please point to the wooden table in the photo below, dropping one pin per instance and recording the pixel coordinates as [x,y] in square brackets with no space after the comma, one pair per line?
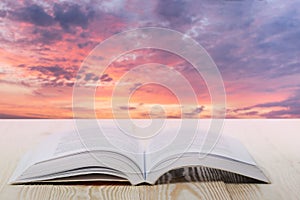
[274,144]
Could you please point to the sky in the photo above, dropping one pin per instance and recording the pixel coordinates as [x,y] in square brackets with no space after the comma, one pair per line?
[254,44]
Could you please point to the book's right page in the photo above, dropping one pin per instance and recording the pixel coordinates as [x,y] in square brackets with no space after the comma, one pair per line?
[189,148]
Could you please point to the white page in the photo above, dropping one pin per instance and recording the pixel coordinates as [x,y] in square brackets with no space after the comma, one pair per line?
[89,140]
[191,140]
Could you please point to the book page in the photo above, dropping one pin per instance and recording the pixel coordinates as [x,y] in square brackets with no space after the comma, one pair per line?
[88,140]
[194,141]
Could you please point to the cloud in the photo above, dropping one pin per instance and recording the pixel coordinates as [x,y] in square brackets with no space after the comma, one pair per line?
[9,116]
[85,44]
[105,78]
[69,15]
[93,77]
[135,85]
[290,113]
[255,45]
[251,113]
[89,76]
[199,110]
[3,13]
[46,36]
[54,75]
[289,107]
[174,11]
[173,116]
[127,107]
[114,6]
[194,113]
[33,14]
[55,70]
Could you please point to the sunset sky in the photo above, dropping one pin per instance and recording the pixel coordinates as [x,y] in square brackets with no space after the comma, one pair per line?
[254,44]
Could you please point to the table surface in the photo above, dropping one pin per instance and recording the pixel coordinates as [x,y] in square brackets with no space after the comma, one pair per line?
[273,143]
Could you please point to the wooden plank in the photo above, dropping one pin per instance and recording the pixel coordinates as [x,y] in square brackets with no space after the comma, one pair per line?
[209,190]
[193,190]
[278,159]
[78,192]
[244,191]
[273,144]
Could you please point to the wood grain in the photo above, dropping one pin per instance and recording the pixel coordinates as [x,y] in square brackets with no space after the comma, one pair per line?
[212,190]
[274,144]
[244,191]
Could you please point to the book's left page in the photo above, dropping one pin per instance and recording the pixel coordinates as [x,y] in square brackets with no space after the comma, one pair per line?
[86,143]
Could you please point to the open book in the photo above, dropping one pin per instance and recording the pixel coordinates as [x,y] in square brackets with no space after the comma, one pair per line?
[112,154]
